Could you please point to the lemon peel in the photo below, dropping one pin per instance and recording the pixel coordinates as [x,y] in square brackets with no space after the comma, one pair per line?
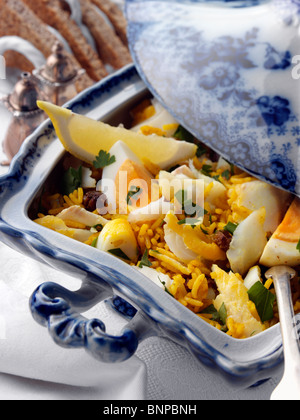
[84,137]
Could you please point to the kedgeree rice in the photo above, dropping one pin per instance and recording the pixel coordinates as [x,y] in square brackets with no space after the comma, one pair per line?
[199,227]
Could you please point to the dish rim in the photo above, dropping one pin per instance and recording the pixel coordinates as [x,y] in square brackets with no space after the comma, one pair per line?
[213,349]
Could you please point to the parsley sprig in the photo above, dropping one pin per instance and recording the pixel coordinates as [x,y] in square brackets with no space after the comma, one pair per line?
[72,179]
[103,159]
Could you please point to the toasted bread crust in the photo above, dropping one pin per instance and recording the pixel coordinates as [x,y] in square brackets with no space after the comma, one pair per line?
[115,15]
[21,21]
[50,12]
[32,20]
[110,47]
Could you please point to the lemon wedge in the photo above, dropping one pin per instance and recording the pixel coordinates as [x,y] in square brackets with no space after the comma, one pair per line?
[84,138]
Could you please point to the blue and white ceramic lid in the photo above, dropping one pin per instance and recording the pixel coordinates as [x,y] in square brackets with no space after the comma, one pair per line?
[229,72]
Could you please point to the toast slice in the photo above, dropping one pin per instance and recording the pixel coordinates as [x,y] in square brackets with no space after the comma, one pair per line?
[51,13]
[115,15]
[21,21]
[110,47]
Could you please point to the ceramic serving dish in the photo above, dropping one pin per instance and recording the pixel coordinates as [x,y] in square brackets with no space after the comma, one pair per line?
[149,310]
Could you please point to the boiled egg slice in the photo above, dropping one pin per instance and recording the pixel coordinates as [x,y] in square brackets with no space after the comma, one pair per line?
[126,175]
[117,237]
[162,280]
[282,248]
[248,242]
[161,119]
[256,194]
[151,212]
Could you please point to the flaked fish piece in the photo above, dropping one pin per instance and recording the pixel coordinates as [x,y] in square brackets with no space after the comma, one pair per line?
[80,215]
[57,224]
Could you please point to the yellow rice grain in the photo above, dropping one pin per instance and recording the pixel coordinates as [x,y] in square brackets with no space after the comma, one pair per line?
[153,241]
[55,212]
[147,130]
[268,283]
[193,302]
[171,262]
[166,252]
[77,196]
[157,223]
[75,225]
[200,288]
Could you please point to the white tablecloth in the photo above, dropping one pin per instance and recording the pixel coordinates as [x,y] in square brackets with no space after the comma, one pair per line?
[33,367]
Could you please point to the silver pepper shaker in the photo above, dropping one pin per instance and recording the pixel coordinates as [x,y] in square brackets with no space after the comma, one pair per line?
[58,76]
[26,114]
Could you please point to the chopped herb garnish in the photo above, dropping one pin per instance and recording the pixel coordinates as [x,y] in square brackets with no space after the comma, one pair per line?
[207,170]
[98,227]
[117,252]
[217,315]
[133,193]
[298,246]
[145,260]
[164,284]
[231,227]
[103,159]
[217,178]
[223,314]
[191,210]
[226,174]
[183,134]
[263,300]
[72,179]
[201,150]
[204,231]
[94,243]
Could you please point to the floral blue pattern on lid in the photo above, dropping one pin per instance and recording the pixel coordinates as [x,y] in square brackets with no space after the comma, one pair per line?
[226,71]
